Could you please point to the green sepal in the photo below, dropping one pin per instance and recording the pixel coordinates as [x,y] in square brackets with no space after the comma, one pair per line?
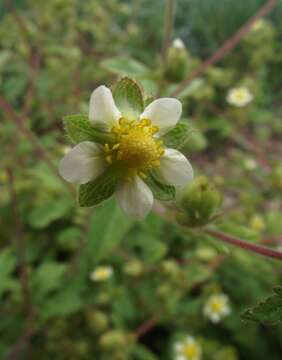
[79,129]
[96,191]
[178,136]
[160,191]
[128,98]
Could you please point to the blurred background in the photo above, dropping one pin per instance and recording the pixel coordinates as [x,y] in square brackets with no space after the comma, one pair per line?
[84,284]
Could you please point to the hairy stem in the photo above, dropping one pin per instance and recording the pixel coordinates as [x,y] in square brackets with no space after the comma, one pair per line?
[226,47]
[245,245]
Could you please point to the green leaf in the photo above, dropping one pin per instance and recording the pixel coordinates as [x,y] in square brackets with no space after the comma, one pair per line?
[178,136]
[98,190]
[129,98]
[64,303]
[125,66]
[47,212]
[80,129]
[48,277]
[160,191]
[108,227]
[269,311]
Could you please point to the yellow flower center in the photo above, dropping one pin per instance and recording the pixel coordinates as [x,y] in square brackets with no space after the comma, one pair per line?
[191,351]
[216,306]
[136,148]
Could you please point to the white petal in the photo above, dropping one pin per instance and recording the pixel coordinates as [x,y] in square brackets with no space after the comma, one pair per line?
[103,112]
[83,163]
[164,113]
[174,168]
[134,197]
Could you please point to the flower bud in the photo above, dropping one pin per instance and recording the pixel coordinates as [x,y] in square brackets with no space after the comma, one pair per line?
[177,62]
[133,268]
[113,339]
[97,320]
[199,201]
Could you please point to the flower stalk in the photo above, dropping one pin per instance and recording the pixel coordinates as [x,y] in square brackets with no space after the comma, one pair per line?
[245,245]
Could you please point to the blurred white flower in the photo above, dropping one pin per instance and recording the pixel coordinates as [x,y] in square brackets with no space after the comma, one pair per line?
[187,349]
[178,44]
[250,164]
[101,273]
[137,151]
[239,96]
[217,307]
[258,25]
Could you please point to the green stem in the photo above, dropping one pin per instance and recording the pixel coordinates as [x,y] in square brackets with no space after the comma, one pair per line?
[168,28]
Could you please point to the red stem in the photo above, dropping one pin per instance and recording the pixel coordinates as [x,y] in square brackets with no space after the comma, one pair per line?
[259,249]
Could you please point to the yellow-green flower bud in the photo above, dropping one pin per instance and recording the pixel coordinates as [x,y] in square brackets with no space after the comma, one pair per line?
[113,339]
[97,320]
[199,201]
[133,268]
[177,62]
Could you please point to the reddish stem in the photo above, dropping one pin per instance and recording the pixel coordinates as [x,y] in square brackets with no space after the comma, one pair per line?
[259,249]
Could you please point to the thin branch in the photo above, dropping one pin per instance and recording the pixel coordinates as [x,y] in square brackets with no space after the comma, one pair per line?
[226,47]
[147,326]
[168,26]
[245,245]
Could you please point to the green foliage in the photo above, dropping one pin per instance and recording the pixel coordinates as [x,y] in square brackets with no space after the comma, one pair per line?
[53,54]
[125,66]
[268,311]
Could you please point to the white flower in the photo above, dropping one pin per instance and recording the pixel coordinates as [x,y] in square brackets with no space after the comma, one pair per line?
[217,307]
[101,273]
[239,96]
[188,349]
[178,44]
[136,151]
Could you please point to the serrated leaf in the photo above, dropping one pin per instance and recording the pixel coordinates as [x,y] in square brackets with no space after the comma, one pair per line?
[98,190]
[178,136]
[160,191]
[125,66]
[129,99]
[108,226]
[80,129]
[268,311]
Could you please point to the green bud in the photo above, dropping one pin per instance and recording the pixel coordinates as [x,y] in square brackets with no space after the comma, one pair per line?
[199,201]
[97,320]
[133,268]
[113,339]
[177,62]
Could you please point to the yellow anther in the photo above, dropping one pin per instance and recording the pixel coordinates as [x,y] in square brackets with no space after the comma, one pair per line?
[109,159]
[116,146]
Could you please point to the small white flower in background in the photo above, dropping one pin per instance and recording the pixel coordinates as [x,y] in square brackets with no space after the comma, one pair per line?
[101,273]
[178,44]
[65,149]
[258,25]
[187,349]
[239,96]
[217,307]
[136,152]
[250,164]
